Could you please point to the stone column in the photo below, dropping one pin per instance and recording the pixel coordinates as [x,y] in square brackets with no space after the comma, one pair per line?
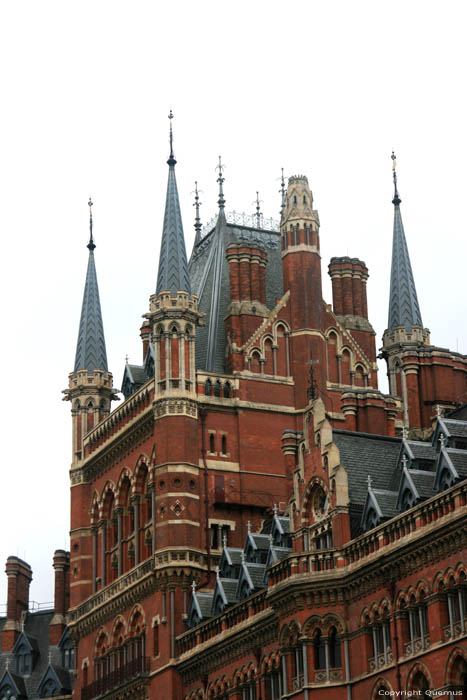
[94,558]
[136,531]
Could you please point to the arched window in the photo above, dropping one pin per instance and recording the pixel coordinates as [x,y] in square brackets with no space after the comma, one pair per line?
[212,447]
[227,390]
[458,677]
[224,445]
[420,683]
[207,387]
[217,388]
[319,650]
[333,369]
[334,649]
[155,639]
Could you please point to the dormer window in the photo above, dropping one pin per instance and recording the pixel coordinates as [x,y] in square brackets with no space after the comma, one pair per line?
[23,660]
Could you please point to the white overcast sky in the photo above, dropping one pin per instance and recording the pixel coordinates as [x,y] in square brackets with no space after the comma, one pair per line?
[328,89]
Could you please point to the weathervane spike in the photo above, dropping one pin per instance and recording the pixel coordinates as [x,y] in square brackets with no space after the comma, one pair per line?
[282,193]
[91,244]
[258,210]
[171,160]
[397,199]
[197,204]
[220,180]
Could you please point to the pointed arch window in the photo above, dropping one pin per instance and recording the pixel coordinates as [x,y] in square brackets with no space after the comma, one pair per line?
[334,649]
[227,390]
[319,650]
[217,388]
[207,387]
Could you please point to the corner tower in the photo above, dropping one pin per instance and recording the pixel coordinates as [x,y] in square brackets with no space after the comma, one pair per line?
[90,384]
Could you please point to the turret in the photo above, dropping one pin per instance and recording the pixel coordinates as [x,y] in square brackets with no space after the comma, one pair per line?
[90,384]
[173,313]
[301,265]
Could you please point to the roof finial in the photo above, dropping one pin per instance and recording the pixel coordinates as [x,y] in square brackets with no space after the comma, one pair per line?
[196,204]
[171,160]
[405,461]
[370,481]
[442,440]
[224,541]
[91,244]
[438,410]
[249,526]
[275,509]
[397,199]
[405,432]
[282,193]
[220,180]
[258,210]
[218,572]
[193,586]
[126,358]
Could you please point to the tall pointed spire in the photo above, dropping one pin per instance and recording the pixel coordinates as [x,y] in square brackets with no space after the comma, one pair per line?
[173,265]
[90,349]
[403,303]
[221,180]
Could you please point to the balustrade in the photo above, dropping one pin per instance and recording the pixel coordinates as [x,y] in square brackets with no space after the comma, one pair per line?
[115,679]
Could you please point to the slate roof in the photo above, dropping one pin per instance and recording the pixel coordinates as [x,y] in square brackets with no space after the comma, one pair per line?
[260,540]
[421,450]
[229,586]
[403,303]
[234,554]
[458,413]
[423,482]
[173,266]
[454,428]
[387,501]
[256,572]
[459,460]
[209,276]
[362,455]
[36,629]
[205,603]
[90,348]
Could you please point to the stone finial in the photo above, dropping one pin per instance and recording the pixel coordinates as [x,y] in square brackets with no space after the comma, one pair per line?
[193,587]
[248,526]
[369,481]
[275,509]
[405,432]
[404,461]
[224,541]
[218,572]
[442,440]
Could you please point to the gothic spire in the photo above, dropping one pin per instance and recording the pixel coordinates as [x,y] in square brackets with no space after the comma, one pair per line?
[403,303]
[173,265]
[90,349]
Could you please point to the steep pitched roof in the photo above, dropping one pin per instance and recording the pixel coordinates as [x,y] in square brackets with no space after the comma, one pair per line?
[210,282]
[173,265]
[403,303]
[366,455]
[90,349]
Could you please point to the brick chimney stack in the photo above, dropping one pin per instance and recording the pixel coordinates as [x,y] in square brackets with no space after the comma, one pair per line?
[19,578]
[349,276]
[61,564]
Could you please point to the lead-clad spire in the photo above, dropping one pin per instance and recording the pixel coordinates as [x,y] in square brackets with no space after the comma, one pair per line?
[90,349]
[403,303]
[173,265]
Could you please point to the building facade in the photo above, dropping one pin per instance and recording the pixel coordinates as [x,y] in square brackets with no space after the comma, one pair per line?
[257,519]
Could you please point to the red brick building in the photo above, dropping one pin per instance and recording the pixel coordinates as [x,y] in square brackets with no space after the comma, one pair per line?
[257,519]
